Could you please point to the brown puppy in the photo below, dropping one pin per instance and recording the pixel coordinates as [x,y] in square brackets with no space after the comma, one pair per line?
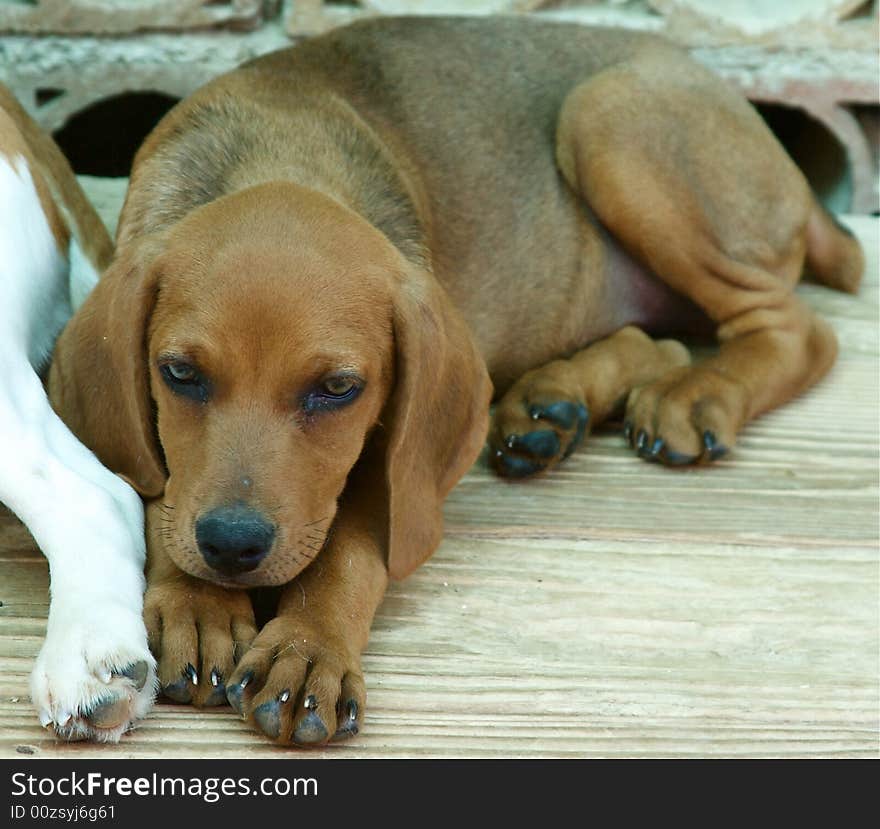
[324,256]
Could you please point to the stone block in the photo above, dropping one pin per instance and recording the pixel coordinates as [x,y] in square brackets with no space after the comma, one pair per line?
[103,17]
[823,66]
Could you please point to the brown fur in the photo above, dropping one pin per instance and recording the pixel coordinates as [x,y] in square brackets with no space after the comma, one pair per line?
[430,203]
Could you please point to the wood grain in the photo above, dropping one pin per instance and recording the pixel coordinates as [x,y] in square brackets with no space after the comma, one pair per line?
[611,609]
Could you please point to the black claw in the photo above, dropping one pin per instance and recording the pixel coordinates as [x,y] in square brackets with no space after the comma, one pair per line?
[180,691]
[655,449]
[311,729]
[641,440]
[137,672]
[542,444]
[513,467]
[563,413]
[234,693]
[350,727]
[628,431]
[218,694]
[268,718]
[714,450]
[108,712]
[190,672]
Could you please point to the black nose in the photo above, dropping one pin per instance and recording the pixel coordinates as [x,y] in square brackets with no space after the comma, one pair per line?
[234,539]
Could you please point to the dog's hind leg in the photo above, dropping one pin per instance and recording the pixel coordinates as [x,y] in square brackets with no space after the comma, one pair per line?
[687,177]
[94,675]
[546,414]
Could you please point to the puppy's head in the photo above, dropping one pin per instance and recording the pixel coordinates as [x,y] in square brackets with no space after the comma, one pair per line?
[242,366]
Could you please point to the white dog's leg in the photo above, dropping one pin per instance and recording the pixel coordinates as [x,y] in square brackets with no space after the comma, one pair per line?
[94,675]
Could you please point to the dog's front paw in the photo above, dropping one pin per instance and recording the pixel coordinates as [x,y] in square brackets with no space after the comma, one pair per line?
[197,630]
[299,686]
[689,416]
[94,676]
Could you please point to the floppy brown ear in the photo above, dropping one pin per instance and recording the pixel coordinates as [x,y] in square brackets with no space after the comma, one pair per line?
[436,420]
[99,377]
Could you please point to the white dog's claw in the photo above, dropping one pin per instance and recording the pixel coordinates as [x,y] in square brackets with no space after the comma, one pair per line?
[45,718]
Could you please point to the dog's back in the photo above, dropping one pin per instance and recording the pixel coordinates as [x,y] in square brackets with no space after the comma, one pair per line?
[472,104]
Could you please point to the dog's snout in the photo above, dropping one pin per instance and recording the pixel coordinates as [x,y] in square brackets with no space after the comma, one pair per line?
[234,539]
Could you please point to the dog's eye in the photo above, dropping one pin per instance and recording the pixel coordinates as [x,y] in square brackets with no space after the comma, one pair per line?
[185,379]
[338,386]
[180,372]
[333,392]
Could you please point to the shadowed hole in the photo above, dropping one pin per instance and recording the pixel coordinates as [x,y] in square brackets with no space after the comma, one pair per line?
[47,95]
[102,139]
[818,153]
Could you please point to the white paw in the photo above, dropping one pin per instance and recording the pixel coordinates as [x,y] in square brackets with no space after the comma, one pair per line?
[94,676]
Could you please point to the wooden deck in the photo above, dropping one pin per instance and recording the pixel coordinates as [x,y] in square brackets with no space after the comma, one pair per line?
[612,609]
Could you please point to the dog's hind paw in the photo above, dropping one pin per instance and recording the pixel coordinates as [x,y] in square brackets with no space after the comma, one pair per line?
[534,429]
[95,676]
[690,416]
